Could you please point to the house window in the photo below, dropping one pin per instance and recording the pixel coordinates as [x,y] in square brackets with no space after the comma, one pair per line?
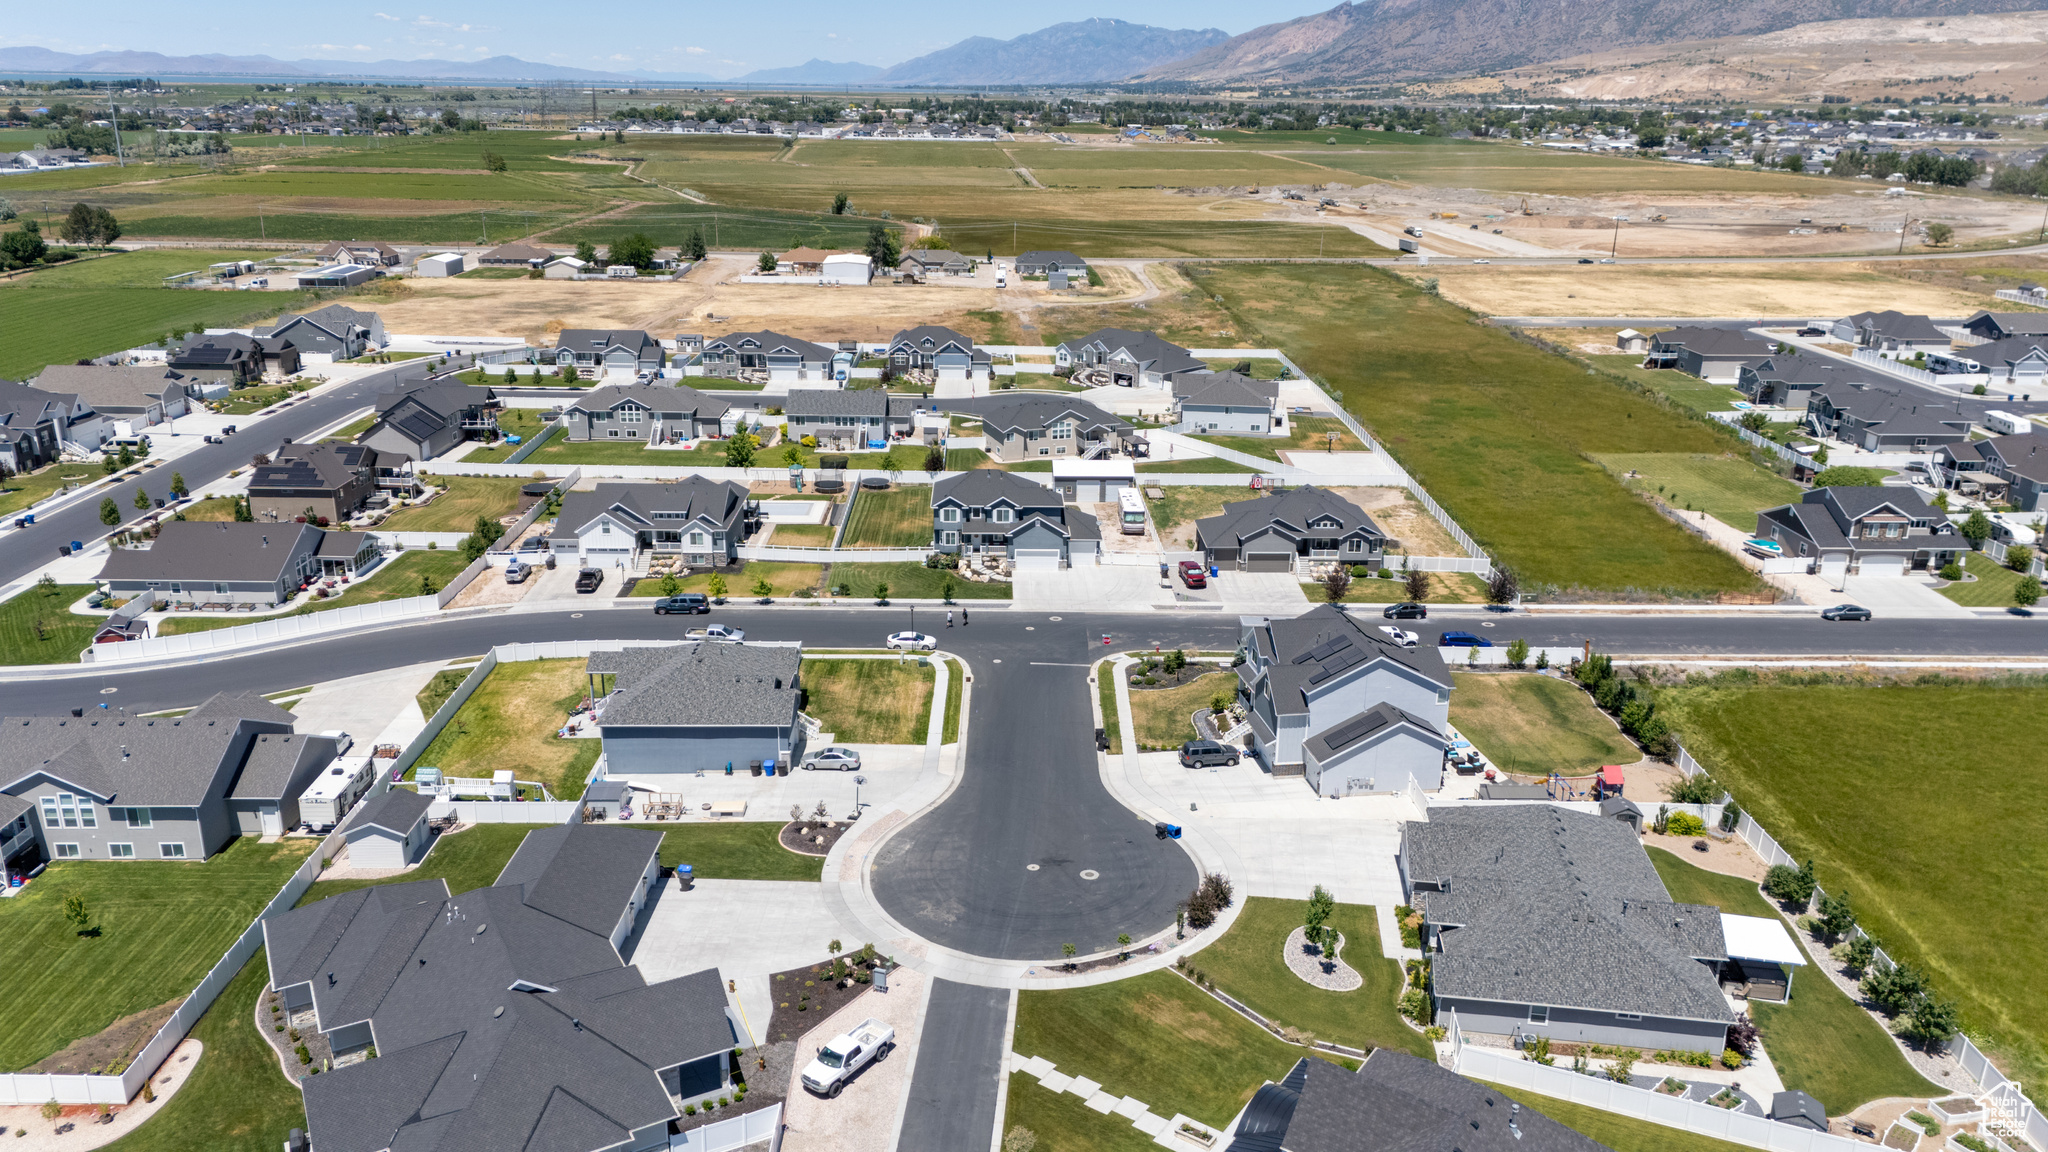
[1627,1016]
[631,416]
[1539,1014]
[1063,431]
[949,538]
[949,515]
[696,539]
[138,818]
[1045,451]
[121,851]
[1354,545]
[171,851]
[604,529]
[85,814]
[1002,515]
[66,851]
[220,588]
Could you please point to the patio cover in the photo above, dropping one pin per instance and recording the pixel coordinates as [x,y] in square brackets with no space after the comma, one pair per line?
[1757,938]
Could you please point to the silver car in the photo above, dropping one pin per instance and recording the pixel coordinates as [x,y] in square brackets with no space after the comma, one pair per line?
[827,759]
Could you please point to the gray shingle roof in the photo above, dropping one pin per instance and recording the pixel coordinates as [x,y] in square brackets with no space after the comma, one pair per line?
[201,550]
[396,811]
[1023,413]
[113,387]
[1147,350]
[580,873]
[275,761]
[981,487]
[765,342]
[1898,325]
[1716,342]
[443,398]
[656,397]
[1324,643]
[147,762]
[709,684]
[1218,389]
[1541,905]
[1332,741]
[870,402]
[932,338]
[1293,511]
[1397,1103]
[691,500]
[599,340]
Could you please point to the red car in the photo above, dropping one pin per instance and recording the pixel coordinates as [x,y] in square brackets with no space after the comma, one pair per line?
[1193,574]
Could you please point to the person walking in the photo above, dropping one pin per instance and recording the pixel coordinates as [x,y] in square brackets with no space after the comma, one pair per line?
[963,617]
[949,617]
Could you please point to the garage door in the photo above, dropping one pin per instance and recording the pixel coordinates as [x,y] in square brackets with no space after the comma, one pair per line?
[1269,562]
[1088,492]
[1037,559]
[1882,566]
[1834,569]
[606,555]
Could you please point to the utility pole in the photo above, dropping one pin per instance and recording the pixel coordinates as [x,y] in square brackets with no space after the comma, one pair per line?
[1903,229]
[114,117]
[1615,248]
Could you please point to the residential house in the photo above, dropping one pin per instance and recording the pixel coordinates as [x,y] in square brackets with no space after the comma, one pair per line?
[503,1018]
[2014,362]
[1883,420]
[766,357]
[1021,427]
[1392,1101]
[37,426]
[233,359]
[422,421]
[949,356]
[1785,381]
[845,421]
[653,413]
[2010,466]
[337,276]
[925,263]
[113,787]
[2004,325]
[350,554]
[1045,262]
[1715,354]
[1342,704]
[1292,531]
[1229,403]
[516,253]
[1131,359]
[568,268]
[1892,331]
[696,520]
[330,480]
[1864,531]
[138,395]
[697,707]
[804,261]
[1538,921]
[607,352]
[217,562]
[988,510]
[336,332]
[389,830]
[372,253]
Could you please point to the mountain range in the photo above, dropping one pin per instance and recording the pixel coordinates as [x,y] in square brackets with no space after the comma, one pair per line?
[1078,52]
[814,71]
[1391,40]
[136,64]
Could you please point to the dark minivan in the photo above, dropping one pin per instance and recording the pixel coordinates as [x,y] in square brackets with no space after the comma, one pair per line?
[687,604]
[1206,754]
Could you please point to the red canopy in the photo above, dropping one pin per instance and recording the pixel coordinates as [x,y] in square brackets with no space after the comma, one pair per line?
[1611,774]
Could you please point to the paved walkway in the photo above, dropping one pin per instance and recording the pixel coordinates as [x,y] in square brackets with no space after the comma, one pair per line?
[1164,1132]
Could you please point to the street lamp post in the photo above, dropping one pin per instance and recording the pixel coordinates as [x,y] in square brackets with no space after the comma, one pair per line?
[857,782]
[1616,246]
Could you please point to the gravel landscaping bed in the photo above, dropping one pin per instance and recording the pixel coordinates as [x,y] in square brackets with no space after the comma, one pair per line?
[813,837]
[1306,961]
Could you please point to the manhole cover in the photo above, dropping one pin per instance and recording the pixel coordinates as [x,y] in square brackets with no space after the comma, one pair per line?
[1031,627]
[575,615]
[1031,867]
[1090,874]
[1485,624]
[108,691]
[1054,619]
[999,660]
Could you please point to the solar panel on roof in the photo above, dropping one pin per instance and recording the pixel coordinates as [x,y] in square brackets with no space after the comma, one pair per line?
[1342,662]
[1324,650]
[1355,729]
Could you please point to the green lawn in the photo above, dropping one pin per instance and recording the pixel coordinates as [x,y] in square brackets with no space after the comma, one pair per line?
[1536,724]
[1162,714]
[956,692]
[395,579]
[18,492]
[1496,430]
[1156,1037]
[525,423]
[1686,391]
[870,701]
[897,518]
[245,401]
[1821,1042]
[160,926]
[1247,963]
[42,314]
[1728,487]
[965,459]
[237,1100]
[510,723]
[469,859]
[1992,587]
[784,580]
[456,510]
[909,580]
[1444,588]
[1205,465]
[1304,434]
[748,850]
[1112,725]
[38,628]
[1063,1123]
[802,536]
[1899,789]
[1621,1133]
[562,451]
[347,433]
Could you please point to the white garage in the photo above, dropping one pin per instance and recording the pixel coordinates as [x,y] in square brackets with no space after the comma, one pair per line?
[1093,481]
[1882,565]
[389,830]
[1036,559]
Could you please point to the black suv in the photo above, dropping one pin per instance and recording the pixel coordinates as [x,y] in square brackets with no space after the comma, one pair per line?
[588,579]
[1206,754]
[688,604]
[1409,611]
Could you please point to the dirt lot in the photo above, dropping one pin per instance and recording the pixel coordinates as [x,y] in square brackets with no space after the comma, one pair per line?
[116,1042]
[1691,290]
[1400,517]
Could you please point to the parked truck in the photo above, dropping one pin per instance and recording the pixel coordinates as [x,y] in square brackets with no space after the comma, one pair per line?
[716,632]
[845,1055]
[1408,245]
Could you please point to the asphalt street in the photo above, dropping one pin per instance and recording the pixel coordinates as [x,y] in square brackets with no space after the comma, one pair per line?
[952,1103]
[25,550]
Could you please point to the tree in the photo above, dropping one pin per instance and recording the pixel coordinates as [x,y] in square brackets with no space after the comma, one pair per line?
[141,500]
[108,464]
[740,449]
[24,246]
[1938,233]
[762,588]
[1316,928]
[1820,455]
[47,585]
[1174,660]
[1418,585]
[881,593]
[694,247]
[495,163]
[243,514]
[635,250]
[125,457]
[1068,950]
[426,585]
[2019,557]
[881,246]
[569,374]
[669,584]
[1976,529]
[586,251]
[840,203]
[1793,886]
[1860,952]
[1755,421]
[1518,652]
[110,512]
[86,224]
[946,588]
[1893,988]
[935,459]
[716,586]
[1503,587]
[77,912]
[2027,592]
[1123,942]
[7,210]
[766,263]
[1336,584]
[1836,917]
[792,454]
[1931,1021]
[178,488]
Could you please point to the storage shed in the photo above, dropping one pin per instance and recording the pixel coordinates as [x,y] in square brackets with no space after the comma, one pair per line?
[444,264]
[389,830]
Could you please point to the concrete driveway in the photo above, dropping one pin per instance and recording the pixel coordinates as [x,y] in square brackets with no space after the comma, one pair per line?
[1102,587]
[1261,593]
[1906,596]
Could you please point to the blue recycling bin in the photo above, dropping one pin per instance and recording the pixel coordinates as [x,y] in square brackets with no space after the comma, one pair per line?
[1173,831]
[1214,572]
[685,876]
[768,766]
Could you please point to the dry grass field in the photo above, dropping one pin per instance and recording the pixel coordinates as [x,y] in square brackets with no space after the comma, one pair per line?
[1693,290]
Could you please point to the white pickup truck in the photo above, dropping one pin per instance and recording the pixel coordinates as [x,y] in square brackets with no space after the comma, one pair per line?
[716,632]
[843,1056]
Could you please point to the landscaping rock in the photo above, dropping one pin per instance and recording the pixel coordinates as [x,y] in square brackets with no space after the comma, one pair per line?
[1306,961]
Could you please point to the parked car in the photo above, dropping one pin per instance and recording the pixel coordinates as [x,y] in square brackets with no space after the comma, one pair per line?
[1407,611]
[1482,261]
[913,641]
[843,1056]
[1845,612]
[1206,754]
[1585,259]
[516,573]
[534,544]
[835,757]
[1463,640]
[1401,636]
[717,632]
[1193,574]
[687,604]
[588,579]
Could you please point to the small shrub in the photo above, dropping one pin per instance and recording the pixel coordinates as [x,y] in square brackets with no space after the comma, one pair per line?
[1020,1139]
[1417,1006]
[1928,1124]
[1743,1037]
[689,1109]
[52,1110]
[1971,1142]
[1684,824]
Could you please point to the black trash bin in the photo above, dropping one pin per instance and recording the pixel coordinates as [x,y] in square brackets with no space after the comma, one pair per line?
[1101,740]
[754,766]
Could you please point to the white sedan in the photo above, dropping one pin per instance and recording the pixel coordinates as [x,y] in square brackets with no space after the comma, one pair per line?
[828,759]
[1401,636]
[913,641]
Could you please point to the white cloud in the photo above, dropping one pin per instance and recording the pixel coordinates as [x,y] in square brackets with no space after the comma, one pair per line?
[696,51]
[388,16]
[831,35]
[619,56]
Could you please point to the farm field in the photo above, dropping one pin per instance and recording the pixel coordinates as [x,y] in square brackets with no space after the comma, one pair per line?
[1695,290]
[1686,391]
[1536,724]
[1728,487]
[1495,430]
[1979,943]
[44,328]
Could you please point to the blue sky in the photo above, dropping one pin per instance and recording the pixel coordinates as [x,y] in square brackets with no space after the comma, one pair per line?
[721,40]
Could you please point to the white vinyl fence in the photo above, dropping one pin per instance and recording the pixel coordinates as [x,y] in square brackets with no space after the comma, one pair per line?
[1885,363]
[263,631]
[503,812]
[539,508]
[727,1135]
[2019,297]
[832,555]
